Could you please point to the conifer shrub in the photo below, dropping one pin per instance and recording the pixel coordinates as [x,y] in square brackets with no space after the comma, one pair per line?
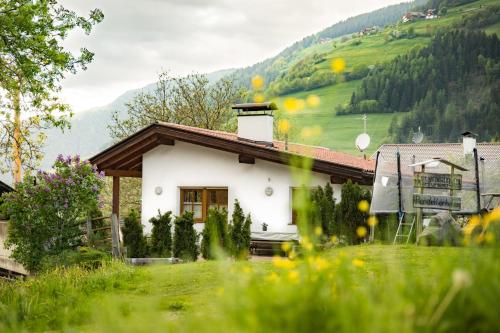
[347,214]
[185,238]
[133,236]
[324,209]
[240,232]
[161,235]
[215,234]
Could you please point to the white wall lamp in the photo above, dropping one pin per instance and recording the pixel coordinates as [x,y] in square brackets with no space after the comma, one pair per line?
[158,190]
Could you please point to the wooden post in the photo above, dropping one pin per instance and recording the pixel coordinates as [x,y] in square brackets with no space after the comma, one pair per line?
[116,196]
[420,211]
[115,236]
[452,173]
[90,235]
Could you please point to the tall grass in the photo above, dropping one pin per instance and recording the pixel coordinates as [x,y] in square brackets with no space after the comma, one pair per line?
[58,298]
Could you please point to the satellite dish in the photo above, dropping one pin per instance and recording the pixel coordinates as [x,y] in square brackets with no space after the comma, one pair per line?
[418,137]
[362,141]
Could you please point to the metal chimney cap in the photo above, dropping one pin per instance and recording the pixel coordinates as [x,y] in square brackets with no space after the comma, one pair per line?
[266,106]
[468,134]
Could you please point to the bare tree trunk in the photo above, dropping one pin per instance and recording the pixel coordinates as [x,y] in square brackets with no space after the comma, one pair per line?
[16,144]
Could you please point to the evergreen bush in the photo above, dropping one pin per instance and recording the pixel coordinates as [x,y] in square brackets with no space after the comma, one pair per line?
[215,233]
[240,232]
[161,235]
[347,215]
[133,237]
[324,208]
[185,238]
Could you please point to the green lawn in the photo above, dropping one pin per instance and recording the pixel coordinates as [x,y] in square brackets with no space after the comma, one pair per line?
[392,288]
[338,132]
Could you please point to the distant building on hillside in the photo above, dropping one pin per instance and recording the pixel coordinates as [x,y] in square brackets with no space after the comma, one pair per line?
[431,14]
[324,40]
[369,31]
[411,16]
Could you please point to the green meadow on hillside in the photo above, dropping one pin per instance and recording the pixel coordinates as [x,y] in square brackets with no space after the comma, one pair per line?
[339,132]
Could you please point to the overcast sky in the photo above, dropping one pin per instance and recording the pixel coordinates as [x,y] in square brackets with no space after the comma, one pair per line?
[139,38]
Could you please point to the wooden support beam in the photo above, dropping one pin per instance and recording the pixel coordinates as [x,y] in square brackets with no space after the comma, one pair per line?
[246,159]
[162,140]
[337,180]
[123,173]
[116,196]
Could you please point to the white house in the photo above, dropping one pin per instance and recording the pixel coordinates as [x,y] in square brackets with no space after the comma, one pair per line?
[192,169]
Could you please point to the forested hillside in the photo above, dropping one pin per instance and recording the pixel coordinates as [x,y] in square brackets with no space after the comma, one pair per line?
[446,91]
[272,67]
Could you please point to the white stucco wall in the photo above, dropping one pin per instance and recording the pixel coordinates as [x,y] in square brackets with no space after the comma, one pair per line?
[188,165]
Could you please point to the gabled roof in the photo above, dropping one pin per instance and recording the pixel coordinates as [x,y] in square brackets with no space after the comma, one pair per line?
[5,188]
[125,157]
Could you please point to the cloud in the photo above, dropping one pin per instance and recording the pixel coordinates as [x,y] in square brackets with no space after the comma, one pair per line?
[137,39]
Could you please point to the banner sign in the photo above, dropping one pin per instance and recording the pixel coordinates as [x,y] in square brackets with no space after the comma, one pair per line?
[437,201]
[437,180]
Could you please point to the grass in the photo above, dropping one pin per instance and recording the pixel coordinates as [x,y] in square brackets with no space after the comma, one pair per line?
[398,283]
[339,132]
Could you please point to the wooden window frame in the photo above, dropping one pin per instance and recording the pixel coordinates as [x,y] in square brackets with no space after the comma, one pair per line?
[204,199]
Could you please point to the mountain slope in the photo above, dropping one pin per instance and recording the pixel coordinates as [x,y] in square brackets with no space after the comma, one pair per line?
[89,132]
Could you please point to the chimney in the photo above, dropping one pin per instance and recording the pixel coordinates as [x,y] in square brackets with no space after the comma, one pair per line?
[255,122]
[468,142]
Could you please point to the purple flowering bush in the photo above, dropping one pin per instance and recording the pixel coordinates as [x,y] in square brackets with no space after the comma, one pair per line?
[46,210]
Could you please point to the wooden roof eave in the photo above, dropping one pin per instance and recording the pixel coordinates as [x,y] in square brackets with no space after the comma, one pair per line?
[127,154]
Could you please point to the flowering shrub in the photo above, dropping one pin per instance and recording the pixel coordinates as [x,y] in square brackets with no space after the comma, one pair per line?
[47,209]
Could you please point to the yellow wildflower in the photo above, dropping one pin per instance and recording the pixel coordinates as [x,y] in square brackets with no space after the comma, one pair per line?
[272,277]
[283,126]
[257,82]
[358,262]
[313,100]
[338,65]
[286,246]
[284,263]
[361,232]
[334,239]
[247,270]
[495,214]
[320,264]
[258,98]
[292,104]
[363,206]
[318,231]
[294,276]
[372,221]
[292,255]
[489,237]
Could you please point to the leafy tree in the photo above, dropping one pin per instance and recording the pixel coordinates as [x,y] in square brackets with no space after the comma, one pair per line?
[161,235]
[239,232]
[185,238]
[32,63]
[215,233]
[190,100]
[47,210]
[133,236]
